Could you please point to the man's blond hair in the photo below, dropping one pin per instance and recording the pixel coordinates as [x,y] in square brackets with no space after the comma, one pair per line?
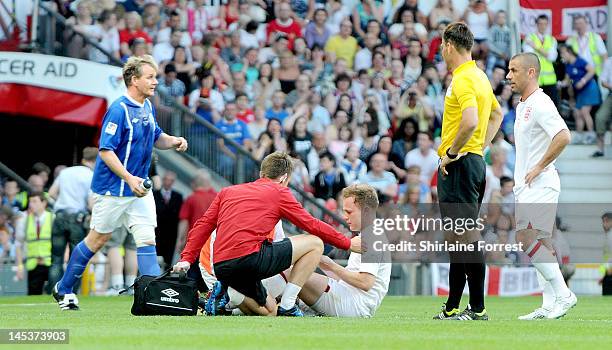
[364,195]
[133,67]
[276,165]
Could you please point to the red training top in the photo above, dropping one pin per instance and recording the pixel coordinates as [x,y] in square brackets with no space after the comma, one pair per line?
[245,214]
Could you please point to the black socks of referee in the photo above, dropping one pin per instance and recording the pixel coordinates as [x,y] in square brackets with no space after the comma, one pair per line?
[472,266]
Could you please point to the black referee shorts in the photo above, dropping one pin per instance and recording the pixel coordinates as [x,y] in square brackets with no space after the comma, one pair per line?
[462,190]
[244,274]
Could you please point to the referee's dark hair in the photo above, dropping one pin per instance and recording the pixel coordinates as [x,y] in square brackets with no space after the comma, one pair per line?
[607,216]
[459,35]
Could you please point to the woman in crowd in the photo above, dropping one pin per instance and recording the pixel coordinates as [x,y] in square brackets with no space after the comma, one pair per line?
[405,137]
[586,91]
[184,69]
[353,167]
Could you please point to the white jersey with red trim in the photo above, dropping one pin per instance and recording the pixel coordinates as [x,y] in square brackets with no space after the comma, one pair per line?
[537,122]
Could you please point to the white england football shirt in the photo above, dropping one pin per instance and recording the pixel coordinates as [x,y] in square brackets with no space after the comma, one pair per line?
[537,122]
[369,301]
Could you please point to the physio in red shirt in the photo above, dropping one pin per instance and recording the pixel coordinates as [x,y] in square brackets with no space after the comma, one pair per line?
[243,216]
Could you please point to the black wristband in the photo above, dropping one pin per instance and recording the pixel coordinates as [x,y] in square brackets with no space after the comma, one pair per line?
[451,156]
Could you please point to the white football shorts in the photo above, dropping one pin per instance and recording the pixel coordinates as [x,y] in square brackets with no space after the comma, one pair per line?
[110,212]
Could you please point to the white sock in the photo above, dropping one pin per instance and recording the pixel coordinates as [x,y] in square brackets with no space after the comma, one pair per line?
[275,285]
[542,259]
[290,296]
[235,298]
[129,280]
[117,281]
[237,312]
[548,294]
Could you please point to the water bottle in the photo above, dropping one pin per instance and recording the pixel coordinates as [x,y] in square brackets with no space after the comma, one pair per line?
[146,185]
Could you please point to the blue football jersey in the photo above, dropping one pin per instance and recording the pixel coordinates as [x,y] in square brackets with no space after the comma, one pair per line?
[130,130]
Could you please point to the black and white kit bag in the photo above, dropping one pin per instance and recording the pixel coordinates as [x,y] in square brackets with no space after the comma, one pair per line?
[168,294]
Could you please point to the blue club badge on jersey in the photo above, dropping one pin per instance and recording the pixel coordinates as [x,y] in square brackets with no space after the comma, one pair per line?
[145,118]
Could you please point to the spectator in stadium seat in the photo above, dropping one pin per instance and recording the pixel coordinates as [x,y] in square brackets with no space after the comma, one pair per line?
[330,180]
[173,88]
[364,12]
[138,47]
[478,18]
[383,181]
[35,229]
[43,171]
[278,109]
[319,145]
[405,137]
[245,113]
[414,179]
[13,198]
[586,91]
[233,53]
[207,101]
[106,35]
[284,23]
[81,23]
[425,157]
[317,32]
[496,171]
[395,164]
[259,125]
[604,114]
[174,25]
[363,57]
[339,146]
[287,72]
[185,69]
[442,11]
[412,104]
[236,130]
[342,45]
[168,203]
[354,168]
[133,30]
[301,93]
[499,42]
[271,140]
[164,51]
[299,139]
[238,85]
[589,45]
[151,18]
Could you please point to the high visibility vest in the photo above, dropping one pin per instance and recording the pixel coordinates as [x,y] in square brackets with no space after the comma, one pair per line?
[38,246]
[547,70]
[573,42]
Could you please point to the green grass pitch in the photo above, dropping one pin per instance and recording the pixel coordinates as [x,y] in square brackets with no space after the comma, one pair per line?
[401,323]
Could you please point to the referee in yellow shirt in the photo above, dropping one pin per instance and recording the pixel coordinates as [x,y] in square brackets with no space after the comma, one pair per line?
[471,118]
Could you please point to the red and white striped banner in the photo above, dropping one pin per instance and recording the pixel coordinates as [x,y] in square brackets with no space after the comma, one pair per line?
[502,281]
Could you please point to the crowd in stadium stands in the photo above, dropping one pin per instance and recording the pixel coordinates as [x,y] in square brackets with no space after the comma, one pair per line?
[353,89]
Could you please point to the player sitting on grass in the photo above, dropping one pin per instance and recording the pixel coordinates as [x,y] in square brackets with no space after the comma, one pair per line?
[358,289]
[243,216]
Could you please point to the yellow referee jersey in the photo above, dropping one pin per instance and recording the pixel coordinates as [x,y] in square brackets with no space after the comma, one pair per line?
[470,87]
